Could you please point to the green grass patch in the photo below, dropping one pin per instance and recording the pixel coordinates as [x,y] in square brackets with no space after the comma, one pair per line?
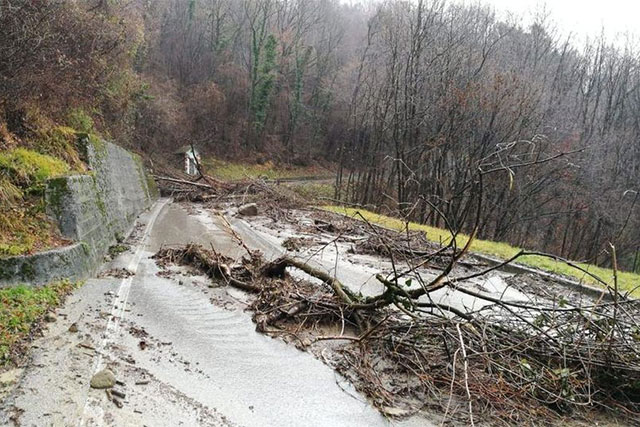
[117,249]
[21,308]
[50,151]
[235,171]
[313,190]
[24,227]
[626,281]
[80,120]
[28,167]
[59,142]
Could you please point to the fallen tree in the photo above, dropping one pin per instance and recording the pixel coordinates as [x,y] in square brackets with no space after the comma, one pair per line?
[209,262]
[512,362]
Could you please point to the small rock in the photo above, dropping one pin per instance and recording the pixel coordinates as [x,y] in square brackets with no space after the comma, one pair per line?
[50,317]
[73,328]
[103,379]
[250,209]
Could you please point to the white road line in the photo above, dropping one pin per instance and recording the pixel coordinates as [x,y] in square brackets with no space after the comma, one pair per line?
[120,301]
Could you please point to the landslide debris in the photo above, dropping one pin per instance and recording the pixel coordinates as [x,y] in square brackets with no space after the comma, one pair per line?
[546,361]
[509,364]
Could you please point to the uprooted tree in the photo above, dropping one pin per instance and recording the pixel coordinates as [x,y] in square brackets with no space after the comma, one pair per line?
[509,360]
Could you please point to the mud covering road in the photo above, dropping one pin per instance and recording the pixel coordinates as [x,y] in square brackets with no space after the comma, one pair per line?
[183,353]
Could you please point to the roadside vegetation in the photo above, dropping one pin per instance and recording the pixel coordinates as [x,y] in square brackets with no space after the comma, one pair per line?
[232,171]
[22,309]
[627,281]
[313,191]
[47,150]
[24,226]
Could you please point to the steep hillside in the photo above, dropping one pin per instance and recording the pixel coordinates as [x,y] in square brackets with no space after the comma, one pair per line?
[410,101]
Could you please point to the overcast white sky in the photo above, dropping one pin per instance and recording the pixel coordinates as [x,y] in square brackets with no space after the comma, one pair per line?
[583,17]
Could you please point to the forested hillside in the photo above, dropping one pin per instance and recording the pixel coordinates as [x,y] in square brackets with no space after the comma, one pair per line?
[411,101]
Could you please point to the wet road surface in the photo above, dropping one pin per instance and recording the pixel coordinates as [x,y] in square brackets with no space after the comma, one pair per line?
[185,354]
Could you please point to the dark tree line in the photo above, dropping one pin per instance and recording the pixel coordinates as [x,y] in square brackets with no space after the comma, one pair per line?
[442,89]
[408,98]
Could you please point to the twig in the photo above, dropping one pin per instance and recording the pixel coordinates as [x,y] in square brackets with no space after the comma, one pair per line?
[465,362]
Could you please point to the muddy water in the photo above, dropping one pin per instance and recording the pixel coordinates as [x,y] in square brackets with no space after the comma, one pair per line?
[175,227]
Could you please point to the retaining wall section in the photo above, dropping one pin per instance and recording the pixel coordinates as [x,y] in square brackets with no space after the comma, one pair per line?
[95,210]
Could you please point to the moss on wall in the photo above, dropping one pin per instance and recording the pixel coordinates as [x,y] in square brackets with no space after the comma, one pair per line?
[24,227]
[57,190]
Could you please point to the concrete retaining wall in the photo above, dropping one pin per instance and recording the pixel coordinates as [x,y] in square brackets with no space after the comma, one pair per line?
[94,210]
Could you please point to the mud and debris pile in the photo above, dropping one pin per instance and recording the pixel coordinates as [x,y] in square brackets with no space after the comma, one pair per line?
[538,361]
[507,362]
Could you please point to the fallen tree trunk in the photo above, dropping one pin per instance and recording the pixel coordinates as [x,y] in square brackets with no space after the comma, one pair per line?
[277,269]
[183,181]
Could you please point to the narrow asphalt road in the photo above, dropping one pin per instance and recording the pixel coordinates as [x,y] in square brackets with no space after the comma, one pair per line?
[184,354]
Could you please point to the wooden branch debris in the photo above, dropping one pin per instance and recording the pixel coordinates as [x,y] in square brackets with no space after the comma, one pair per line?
[183,181]
[510,339]
[207,261]
[212,184]
[277,269]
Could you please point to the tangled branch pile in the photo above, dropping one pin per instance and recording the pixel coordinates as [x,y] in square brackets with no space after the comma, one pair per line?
[513,365]
[274,200]
[511,362]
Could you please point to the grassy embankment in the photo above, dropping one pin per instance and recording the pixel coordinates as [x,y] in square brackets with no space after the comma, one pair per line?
[232,171]
[48,151]
[24,227]
[626,281]
[236,170]
[26,164]
[21,309]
